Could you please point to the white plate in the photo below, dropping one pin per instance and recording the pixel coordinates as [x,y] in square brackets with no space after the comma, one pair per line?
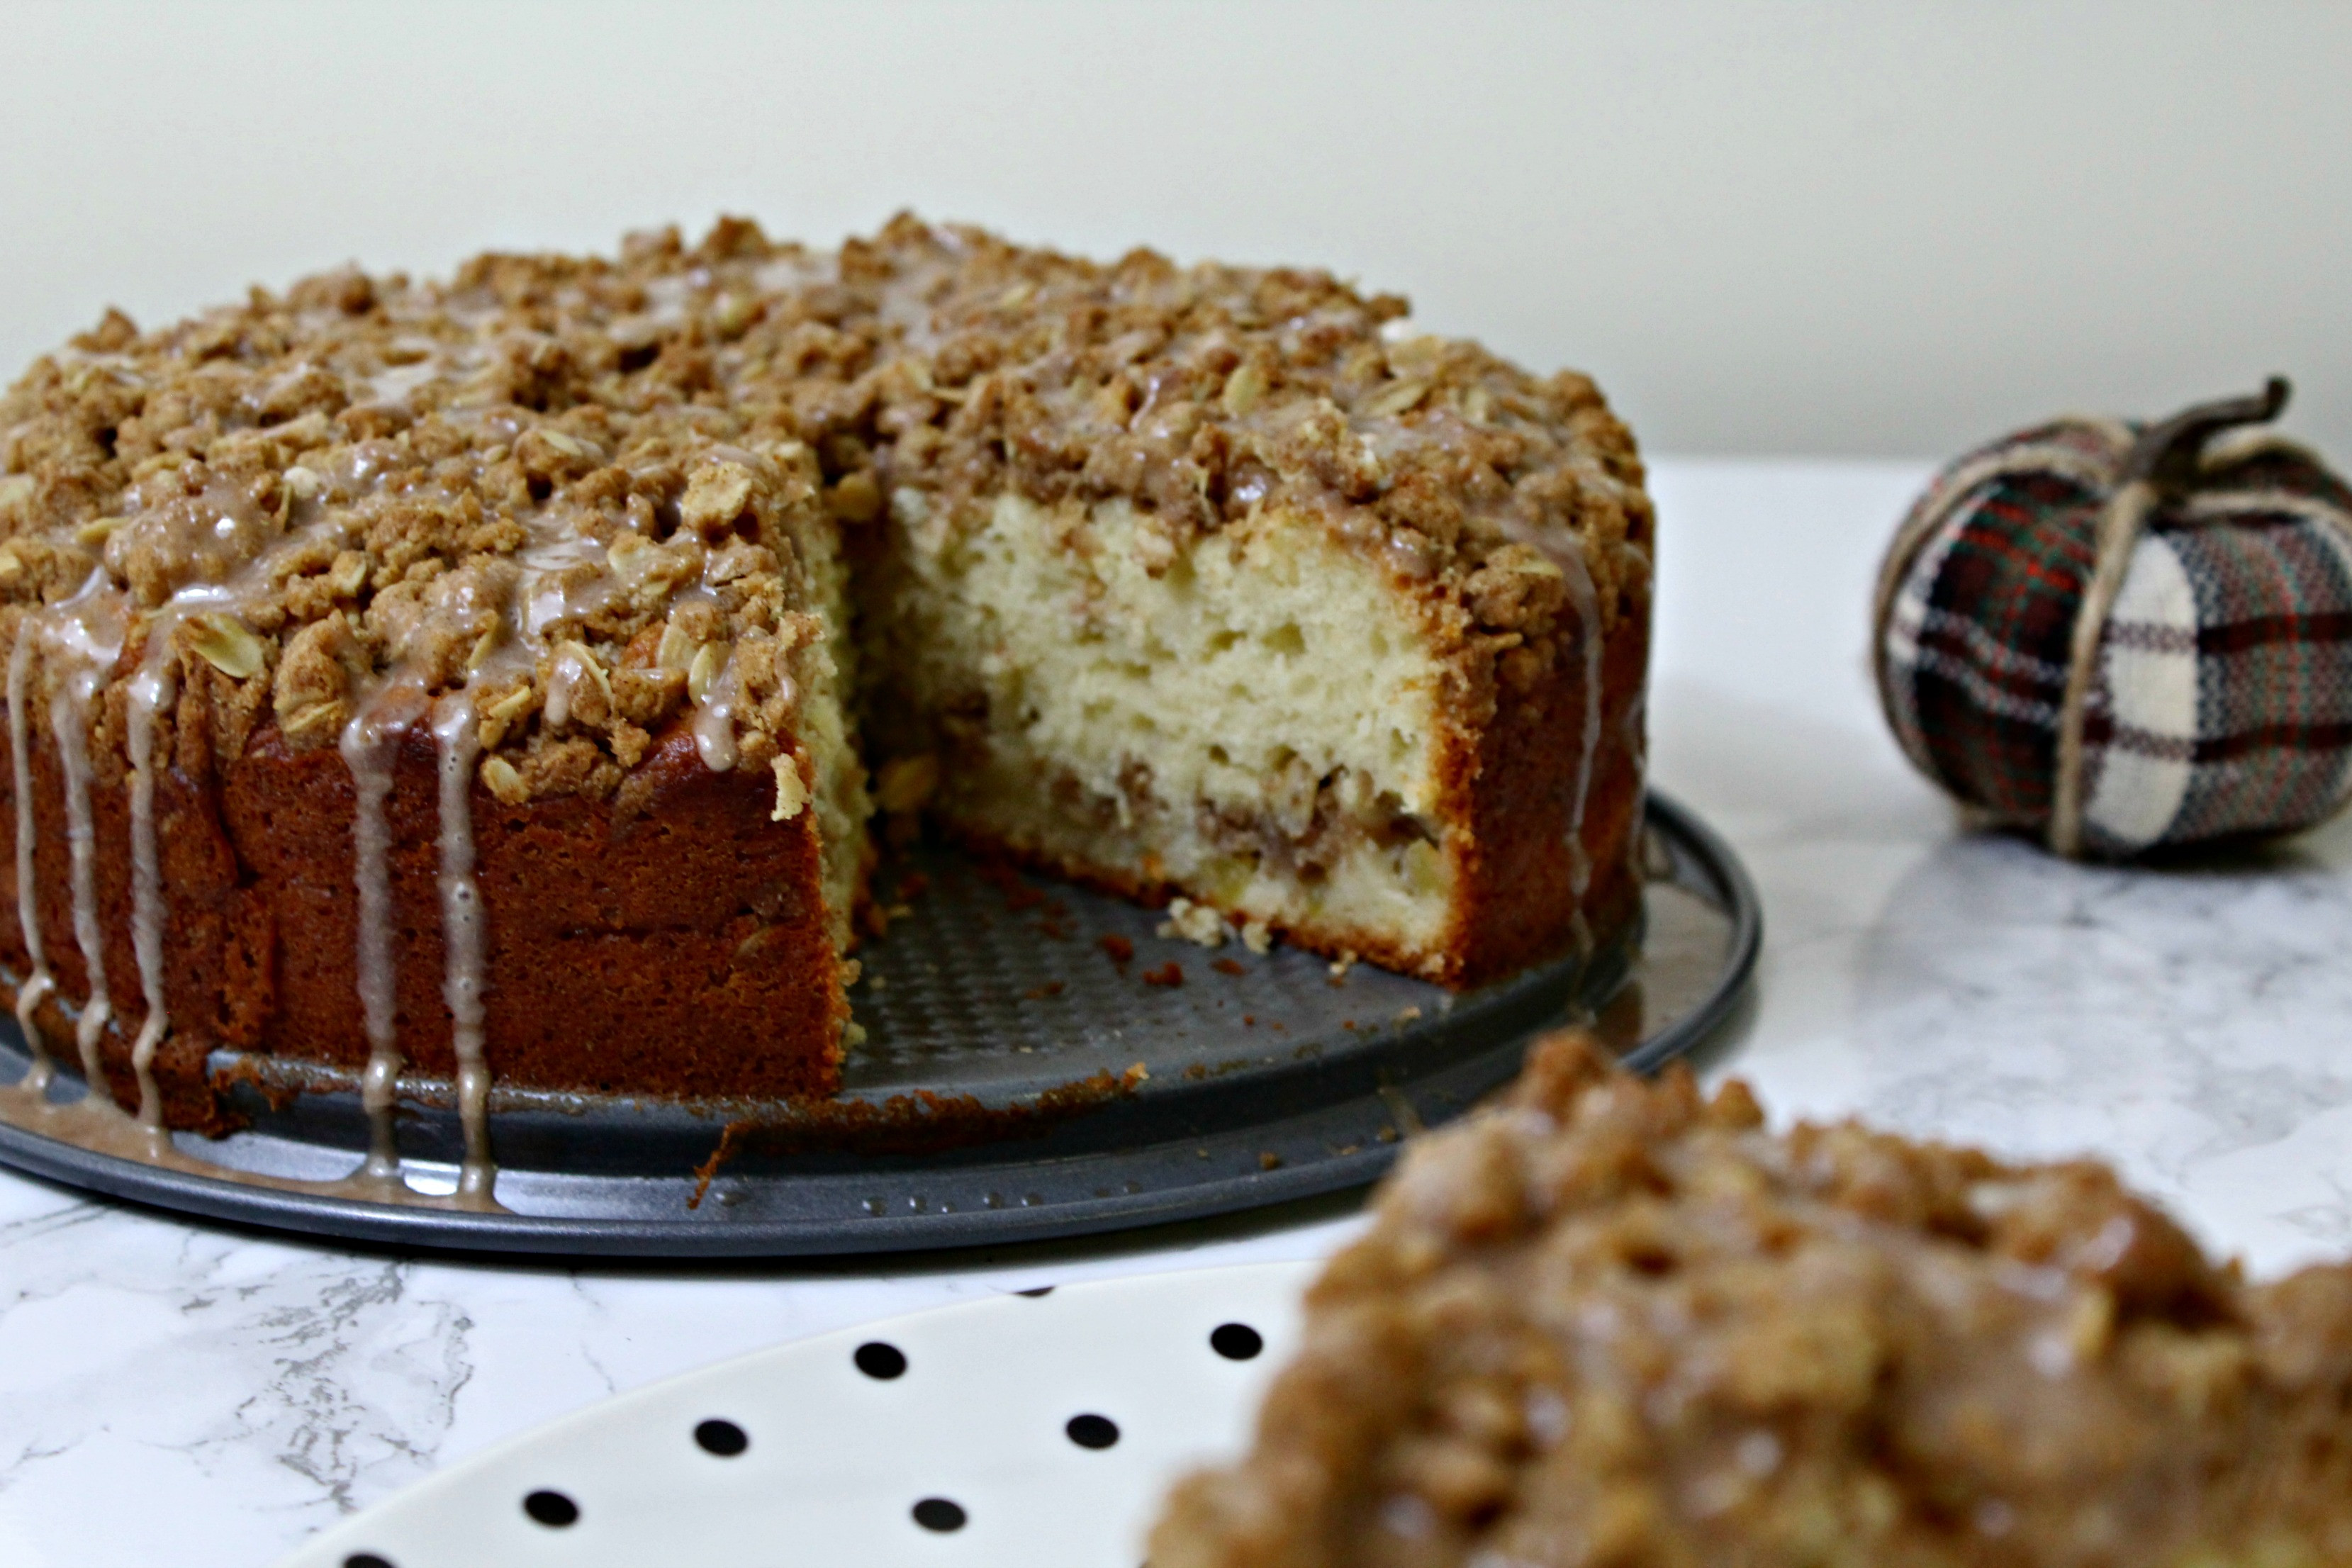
[1038,1431]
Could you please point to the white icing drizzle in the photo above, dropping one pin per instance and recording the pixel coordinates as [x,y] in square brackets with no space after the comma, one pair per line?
[69,722]
[89,635]
[1637,748]
[37,985]
[84,633]
[368,744]
[546,594]
[563,678]
[798,270]
[1568,555]
[667,298]
[714,719]
[456,731]
[395,382]
[152,688]
[95,1122]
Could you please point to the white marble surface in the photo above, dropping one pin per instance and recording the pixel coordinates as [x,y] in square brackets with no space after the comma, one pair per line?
[180,1395]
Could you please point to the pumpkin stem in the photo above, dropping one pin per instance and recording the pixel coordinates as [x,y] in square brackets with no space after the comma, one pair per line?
[2166,453]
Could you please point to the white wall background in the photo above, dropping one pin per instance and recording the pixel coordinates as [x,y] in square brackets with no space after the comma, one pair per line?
[1800,226]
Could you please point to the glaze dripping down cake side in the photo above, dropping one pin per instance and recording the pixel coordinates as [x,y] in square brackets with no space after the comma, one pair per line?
[1617,1325]
[478,677]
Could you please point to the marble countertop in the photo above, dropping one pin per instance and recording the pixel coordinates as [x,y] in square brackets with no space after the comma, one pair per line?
[205,1397]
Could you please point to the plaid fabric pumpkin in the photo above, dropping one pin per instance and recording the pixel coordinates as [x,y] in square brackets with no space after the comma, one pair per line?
[2215,698]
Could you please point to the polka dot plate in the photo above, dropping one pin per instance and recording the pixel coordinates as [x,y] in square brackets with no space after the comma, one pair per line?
[1034,1430]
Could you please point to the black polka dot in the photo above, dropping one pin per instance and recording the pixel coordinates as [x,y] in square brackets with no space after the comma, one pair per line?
[1236,1341]
[366,1560]
[553,1509]
[724,1438]
[1092,1431]
[937,1513]
[875,1358]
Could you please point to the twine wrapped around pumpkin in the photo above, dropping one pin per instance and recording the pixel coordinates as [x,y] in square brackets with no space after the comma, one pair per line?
[2124,636]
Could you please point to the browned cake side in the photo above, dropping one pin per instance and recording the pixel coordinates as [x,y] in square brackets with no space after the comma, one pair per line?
[1539,874]
[1527,895]
[675,945]
[1617,1324]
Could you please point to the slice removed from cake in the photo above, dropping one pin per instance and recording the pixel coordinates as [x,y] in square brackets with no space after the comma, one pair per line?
[1204,581]
[1616,1323]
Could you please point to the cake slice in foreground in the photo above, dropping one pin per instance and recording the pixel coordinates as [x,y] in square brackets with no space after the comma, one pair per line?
[1615,1324]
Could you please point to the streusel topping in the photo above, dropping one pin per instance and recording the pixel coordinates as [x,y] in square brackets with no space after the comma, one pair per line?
[583,490]
[1619,1324]
[1208,395]
[527,481]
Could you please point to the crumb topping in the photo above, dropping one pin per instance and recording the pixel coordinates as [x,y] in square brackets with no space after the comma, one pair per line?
[1618,1323]
[527,484]
[595,495]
